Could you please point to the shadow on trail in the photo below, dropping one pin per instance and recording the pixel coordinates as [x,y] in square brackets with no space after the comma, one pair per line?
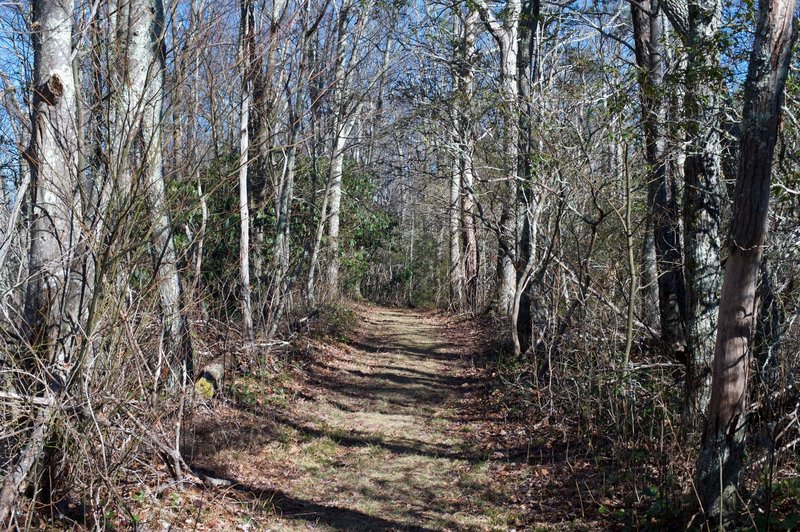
[402,446]
[434,352]
[371,440]
[217,439]
[288,507]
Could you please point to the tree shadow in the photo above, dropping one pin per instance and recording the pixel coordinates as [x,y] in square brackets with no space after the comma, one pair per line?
[352,400]
[293,508]
[435,351]
[400,446]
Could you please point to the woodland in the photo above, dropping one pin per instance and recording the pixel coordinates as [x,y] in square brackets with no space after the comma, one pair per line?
[399,265]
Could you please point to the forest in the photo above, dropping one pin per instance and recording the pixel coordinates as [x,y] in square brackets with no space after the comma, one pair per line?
[399,265]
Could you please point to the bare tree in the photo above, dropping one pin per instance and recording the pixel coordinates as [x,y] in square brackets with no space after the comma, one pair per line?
[344,121]
[661,190]
[147,51]
[697,22]
[246,44]
[505,31]
[720,463]
[53,306]
[295,89]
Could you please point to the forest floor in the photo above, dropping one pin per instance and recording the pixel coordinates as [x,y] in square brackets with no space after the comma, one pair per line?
[386,430]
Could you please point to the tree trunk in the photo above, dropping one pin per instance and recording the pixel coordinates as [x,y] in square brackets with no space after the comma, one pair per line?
[52,300]
[470,233]
[529,202]
[457,281]
[54,309]
[662,203]
[147,46]
[246,42]
[334,212]
[264,111]
[649,277]
[720,462]
[283,201]
[311,286]
[466,88]
[196,159]
[506,271]
[505,32]
[699,28]
[341,129]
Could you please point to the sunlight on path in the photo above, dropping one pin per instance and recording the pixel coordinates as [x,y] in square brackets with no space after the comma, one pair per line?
[377,446]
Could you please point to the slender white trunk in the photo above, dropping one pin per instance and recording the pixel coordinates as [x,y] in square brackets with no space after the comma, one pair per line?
[147,78]
[201,232]
[456,262]
[244,148]
[334,206]
[466,148]
[311,287]
[506,272]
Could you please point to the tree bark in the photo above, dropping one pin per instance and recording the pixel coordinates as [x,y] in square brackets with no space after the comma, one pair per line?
[528,198]
[465,74]
[505,32]
[339,140]
[471,258]
[722,453]
[698,24]
[52,300]
[457,281]
[295,95]
[334,212]
[54,308]
[148,44]
[459,70]
[245,45]
[662,201]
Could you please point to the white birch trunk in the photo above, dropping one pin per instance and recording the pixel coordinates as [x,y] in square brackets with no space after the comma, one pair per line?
[147,83]
[456,261]
[244,148]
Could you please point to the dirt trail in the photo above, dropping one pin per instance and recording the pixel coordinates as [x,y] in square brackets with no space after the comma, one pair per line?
[376,440]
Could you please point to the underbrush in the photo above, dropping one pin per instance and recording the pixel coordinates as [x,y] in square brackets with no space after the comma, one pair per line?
[122,446]
[330,321]
[619,438]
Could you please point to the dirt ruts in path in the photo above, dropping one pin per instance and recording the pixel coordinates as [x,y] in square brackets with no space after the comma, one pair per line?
[373,439]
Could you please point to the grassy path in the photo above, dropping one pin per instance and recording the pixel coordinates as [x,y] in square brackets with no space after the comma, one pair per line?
[375,439]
